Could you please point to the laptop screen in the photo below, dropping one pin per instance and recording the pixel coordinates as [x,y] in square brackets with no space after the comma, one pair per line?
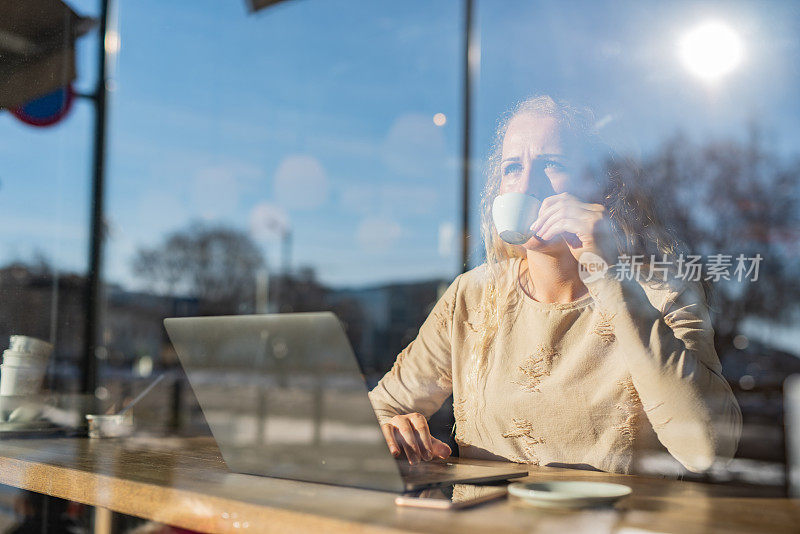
[284,397]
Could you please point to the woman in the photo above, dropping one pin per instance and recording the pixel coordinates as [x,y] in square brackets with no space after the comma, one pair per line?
[544,367]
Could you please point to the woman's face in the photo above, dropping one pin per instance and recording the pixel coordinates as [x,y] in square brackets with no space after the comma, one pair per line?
[539,160]
[535,159]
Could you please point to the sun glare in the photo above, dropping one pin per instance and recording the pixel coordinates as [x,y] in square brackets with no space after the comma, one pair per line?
[711,50]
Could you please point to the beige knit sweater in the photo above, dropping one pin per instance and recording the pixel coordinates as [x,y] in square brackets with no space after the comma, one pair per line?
[598,382]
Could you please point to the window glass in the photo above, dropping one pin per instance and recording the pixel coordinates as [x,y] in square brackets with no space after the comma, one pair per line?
[702,98]
[45,179]
[305,158]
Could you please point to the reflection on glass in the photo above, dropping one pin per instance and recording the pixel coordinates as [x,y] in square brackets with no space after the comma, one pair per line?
[268,172]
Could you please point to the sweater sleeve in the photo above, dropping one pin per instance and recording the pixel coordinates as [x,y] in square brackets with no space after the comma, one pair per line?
[675,369]
[421,378]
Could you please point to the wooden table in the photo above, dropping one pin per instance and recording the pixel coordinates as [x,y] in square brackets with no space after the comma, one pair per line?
[184,482]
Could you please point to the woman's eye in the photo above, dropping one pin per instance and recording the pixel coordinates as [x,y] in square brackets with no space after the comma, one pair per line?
[554,166]
[511,169]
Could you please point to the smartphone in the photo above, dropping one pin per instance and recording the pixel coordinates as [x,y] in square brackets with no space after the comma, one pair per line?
[452,497]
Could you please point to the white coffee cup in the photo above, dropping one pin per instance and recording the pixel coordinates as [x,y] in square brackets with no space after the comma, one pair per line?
[31,345]
[513,215]
[110,426]
[24,359]
[16,380]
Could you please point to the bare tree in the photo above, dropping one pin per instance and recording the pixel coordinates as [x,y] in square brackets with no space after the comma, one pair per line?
[215,264]
[731,198]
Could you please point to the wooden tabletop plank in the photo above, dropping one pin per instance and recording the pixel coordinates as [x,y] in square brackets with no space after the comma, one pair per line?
[184,482]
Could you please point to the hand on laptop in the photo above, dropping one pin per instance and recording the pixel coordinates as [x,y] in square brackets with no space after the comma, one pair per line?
[410,434]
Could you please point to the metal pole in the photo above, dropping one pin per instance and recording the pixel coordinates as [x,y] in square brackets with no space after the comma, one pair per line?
[97,228]
[286,253]
[465,157]
[282,286]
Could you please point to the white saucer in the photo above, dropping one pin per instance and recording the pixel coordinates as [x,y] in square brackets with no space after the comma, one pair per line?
[25,429]
[568,494]
[16,426]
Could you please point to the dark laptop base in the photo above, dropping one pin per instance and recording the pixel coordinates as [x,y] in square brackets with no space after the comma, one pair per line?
[443,473]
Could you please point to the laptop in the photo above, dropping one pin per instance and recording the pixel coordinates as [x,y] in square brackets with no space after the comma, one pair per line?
[284,397]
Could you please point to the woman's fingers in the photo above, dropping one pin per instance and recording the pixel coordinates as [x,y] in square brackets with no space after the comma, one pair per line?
[440,449]
[420,424]
[564,202]
[388,435]
[560,209]
[408,437]
[411,434]
[551,205]
[558,224]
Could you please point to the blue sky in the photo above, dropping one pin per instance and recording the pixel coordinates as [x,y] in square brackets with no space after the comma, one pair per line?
[321,112]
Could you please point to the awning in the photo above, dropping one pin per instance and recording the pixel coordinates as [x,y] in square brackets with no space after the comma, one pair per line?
[256,5]
[37,48]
